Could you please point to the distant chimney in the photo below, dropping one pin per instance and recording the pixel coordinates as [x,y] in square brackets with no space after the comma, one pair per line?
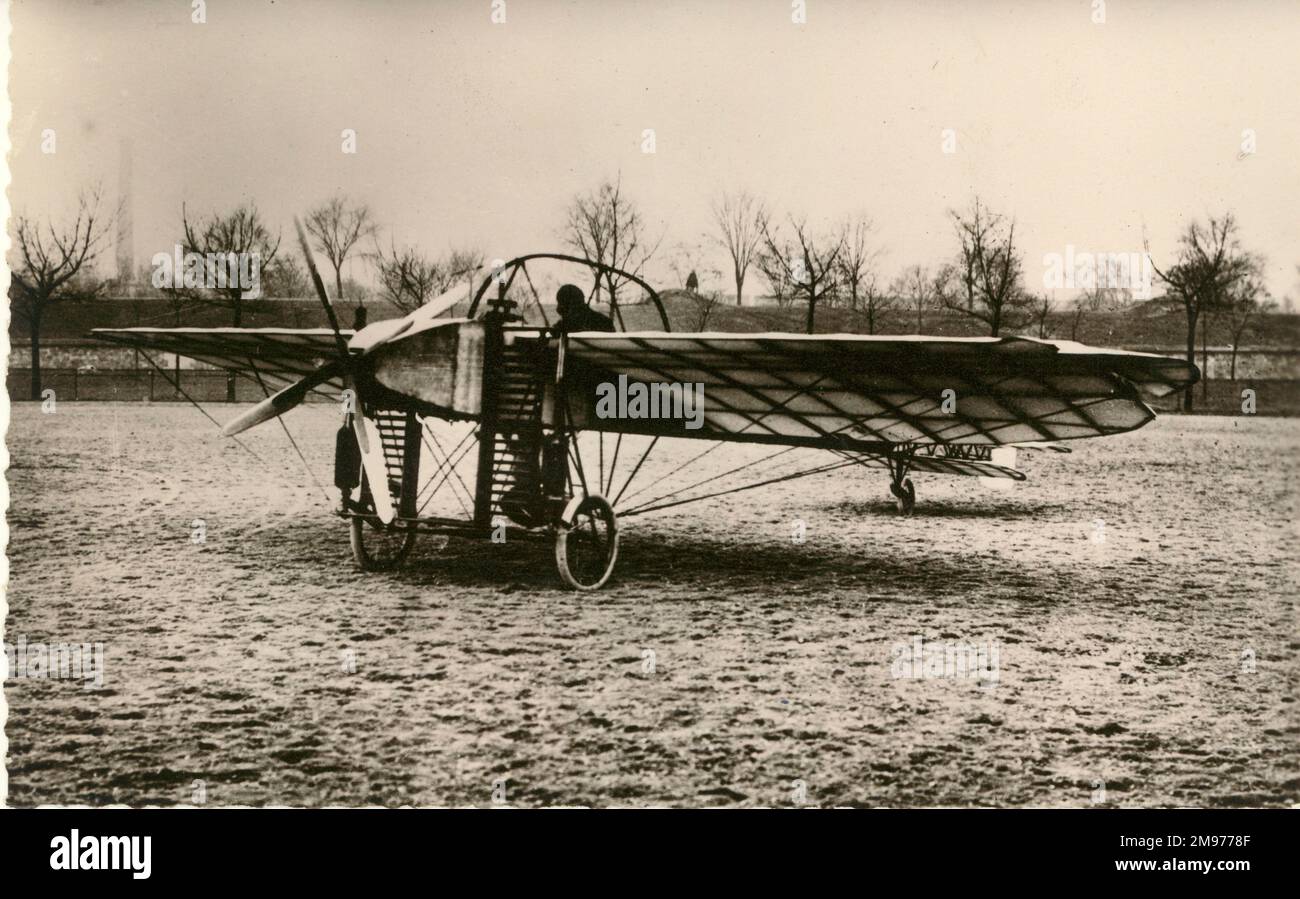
[126,273]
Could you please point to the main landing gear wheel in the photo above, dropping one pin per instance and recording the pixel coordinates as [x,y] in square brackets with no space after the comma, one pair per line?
[586,542]
[904,496]
[379,547]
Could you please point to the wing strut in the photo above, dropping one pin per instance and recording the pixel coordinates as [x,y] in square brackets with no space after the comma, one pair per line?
[820,469]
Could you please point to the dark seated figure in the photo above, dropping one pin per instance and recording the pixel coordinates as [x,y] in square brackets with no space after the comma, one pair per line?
[576,315]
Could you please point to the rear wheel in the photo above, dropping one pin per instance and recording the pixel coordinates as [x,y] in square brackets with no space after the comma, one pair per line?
[586,543]
[380,547]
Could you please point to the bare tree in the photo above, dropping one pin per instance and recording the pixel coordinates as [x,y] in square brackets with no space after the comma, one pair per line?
[1101,293]
[606,227]
[772,264]
[336,226]
[286,278]
[984,282]
[706,304]
[809,266]
[1246,302]
[1086,302]
[1210,262]
[1040,308]
[239,238]
[52,264]
[408,279]
[461,264]
[914,288]
[874,300]
[859,280]
[240,234]
[741,221]
[457,265]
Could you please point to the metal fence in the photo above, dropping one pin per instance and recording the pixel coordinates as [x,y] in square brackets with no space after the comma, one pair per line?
[136,385]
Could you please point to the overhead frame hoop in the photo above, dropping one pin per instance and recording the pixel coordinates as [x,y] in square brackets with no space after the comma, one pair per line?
[599,267]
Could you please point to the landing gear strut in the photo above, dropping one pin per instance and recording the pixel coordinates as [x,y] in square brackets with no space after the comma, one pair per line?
[900,462]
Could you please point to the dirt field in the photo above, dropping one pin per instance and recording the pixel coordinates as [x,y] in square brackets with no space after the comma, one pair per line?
[1150,660]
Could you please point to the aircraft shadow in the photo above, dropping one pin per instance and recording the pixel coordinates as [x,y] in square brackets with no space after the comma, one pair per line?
[984,508]
[696,566]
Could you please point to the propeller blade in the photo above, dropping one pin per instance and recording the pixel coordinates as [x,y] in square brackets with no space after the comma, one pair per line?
[370,338]
[368,440]
[310,259]
[372,460]
[279,403]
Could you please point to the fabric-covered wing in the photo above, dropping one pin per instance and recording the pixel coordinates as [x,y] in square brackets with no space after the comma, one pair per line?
[277,356]
[831,389]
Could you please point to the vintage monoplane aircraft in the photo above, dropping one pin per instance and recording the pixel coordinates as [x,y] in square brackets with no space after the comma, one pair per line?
[527,393]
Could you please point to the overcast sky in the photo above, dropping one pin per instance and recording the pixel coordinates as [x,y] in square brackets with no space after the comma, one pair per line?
[470,132]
